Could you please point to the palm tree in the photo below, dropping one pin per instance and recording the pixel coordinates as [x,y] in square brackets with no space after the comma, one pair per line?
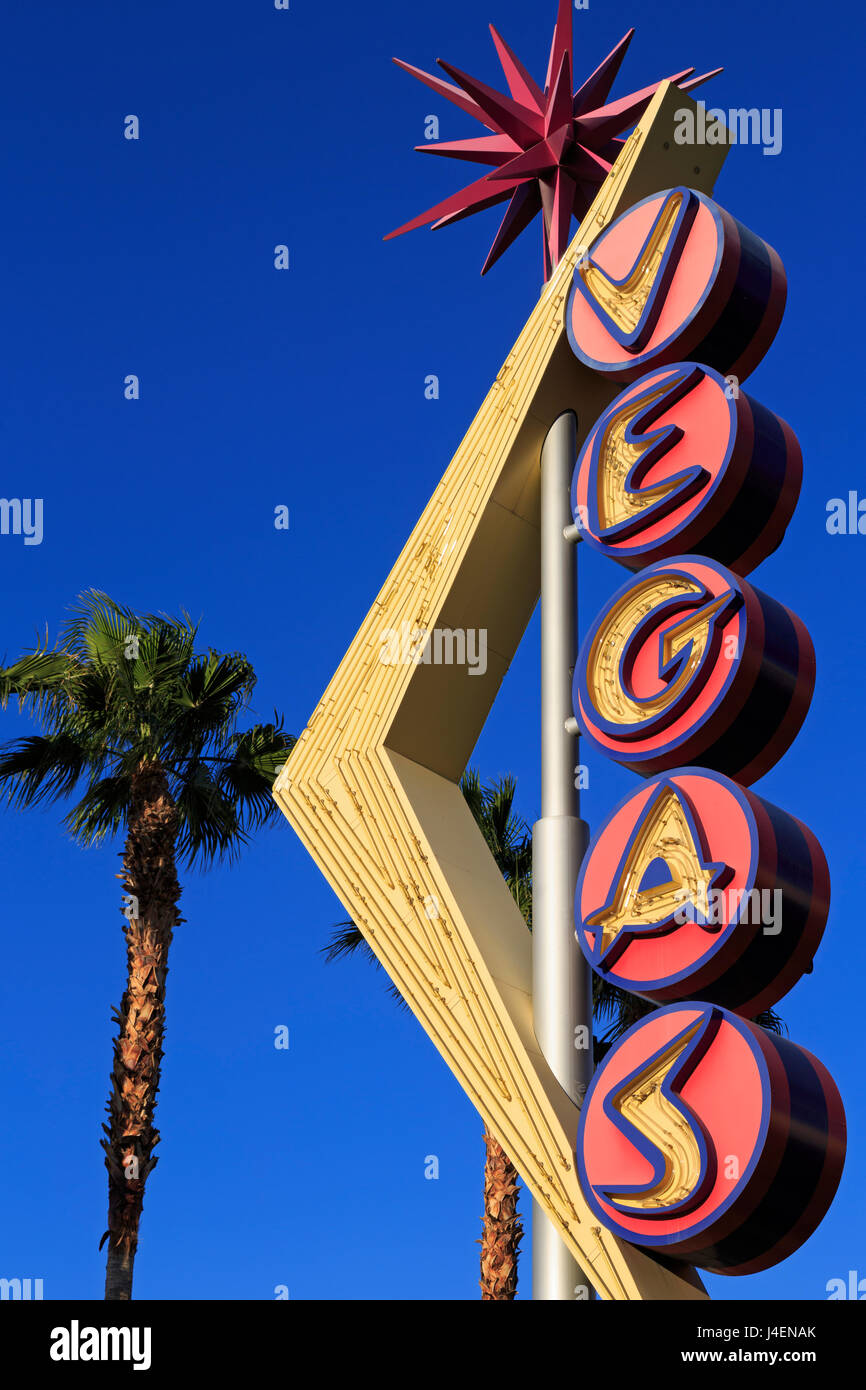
[145,727]
[510,842]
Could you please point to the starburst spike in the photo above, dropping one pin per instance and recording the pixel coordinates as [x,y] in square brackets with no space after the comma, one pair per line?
[696,81]
[486,149]
[545,189]
[445,89]
[528,165]
[524,206]
[473,198]
[511,118]
[481,206]
[548,268]
[596,87]
[559,109]
[521,85]
[546,194]
[562,44]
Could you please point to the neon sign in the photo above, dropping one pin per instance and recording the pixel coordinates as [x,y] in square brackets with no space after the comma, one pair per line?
[683,460]
[708,1138]
[690,663]
[696,886]
[675,277]
[702,1134]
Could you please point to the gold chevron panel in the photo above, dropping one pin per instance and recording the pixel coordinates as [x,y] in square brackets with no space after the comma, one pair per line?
[371,786]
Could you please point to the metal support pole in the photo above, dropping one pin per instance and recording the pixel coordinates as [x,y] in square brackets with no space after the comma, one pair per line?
[561,978]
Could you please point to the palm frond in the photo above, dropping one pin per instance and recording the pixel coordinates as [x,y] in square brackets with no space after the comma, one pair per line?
[35,679]
[249,763]
[161,655]
[492,807]
[473,792]
[506,834]
[102,810]
[208,823]
[97,627]
[773,1022]
[206,700]
[347,939]
[502,827]
[89,704]
[41,768]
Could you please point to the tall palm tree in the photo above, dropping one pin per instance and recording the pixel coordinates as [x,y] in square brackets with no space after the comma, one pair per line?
[510,842]
[144,726]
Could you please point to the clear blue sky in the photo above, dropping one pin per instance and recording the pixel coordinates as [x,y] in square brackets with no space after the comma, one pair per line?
[261,388]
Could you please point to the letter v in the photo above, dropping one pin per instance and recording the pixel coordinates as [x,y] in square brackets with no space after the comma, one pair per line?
[629,308]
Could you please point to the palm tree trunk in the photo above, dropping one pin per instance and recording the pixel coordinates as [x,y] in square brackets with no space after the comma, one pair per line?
[502,1231]
[151,883]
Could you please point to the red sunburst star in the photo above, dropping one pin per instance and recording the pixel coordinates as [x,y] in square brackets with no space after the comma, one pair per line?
[551,150]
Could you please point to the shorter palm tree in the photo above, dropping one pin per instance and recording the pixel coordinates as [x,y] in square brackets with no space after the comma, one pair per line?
[147,726]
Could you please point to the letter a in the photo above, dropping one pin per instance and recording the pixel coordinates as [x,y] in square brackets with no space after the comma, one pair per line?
[662,867]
